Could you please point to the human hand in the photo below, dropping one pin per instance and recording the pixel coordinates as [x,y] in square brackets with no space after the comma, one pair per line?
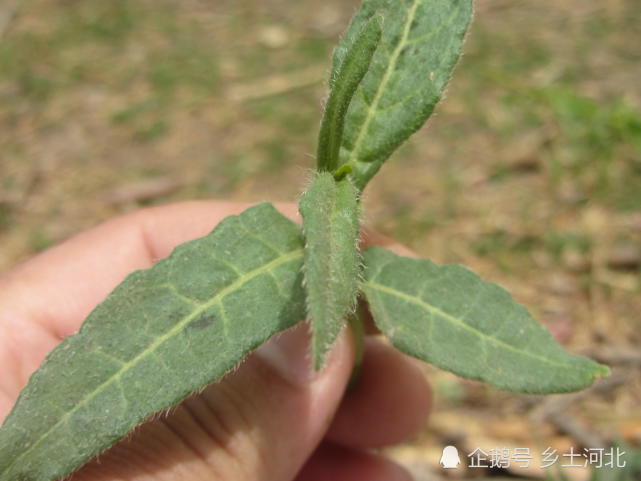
[273,419]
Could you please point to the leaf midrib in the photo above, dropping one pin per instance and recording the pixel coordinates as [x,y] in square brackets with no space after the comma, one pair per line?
[326,294]
[435,310]
[371,111]
[329,294]
[269,267]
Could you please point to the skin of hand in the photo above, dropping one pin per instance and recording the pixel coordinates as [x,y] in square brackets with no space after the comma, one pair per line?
[272,419]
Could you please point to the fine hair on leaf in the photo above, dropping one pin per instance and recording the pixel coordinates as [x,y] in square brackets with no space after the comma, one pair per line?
[170,331]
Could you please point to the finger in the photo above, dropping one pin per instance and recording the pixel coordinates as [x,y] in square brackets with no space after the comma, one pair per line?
[390,402]
[260,423]
[344,464]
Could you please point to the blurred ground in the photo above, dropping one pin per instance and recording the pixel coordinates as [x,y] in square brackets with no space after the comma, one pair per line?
[530,171]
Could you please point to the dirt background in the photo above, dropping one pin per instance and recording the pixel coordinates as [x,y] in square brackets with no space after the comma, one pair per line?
[529,172]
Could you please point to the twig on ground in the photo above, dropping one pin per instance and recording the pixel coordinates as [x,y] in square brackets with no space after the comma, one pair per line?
[144,190]
[555,409]
[615,355]
[7,14]
[572,427]
[8,198]
[276,84]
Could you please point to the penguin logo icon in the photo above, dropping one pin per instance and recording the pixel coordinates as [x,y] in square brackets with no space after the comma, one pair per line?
[449,458]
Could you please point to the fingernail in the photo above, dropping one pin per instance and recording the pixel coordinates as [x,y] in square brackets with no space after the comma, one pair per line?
[288,355]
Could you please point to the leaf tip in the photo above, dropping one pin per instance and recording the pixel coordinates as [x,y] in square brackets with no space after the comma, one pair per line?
[601,371]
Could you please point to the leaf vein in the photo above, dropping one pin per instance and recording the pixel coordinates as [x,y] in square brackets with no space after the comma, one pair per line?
[231,266]
[371,112]
[436,31]
[438,312]
[282,259]
[180,295]
[253,235]
[409,96]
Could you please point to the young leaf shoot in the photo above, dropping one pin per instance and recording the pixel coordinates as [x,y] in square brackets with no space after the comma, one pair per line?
[409,71]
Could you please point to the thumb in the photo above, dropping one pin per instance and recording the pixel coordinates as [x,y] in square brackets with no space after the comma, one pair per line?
[260,423]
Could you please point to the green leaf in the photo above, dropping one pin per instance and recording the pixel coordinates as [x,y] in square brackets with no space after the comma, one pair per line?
[420,45]
[162,334]
[330,212]
[448,316]
[352,71]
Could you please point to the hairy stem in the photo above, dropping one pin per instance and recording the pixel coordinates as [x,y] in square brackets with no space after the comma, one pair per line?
[355,66]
